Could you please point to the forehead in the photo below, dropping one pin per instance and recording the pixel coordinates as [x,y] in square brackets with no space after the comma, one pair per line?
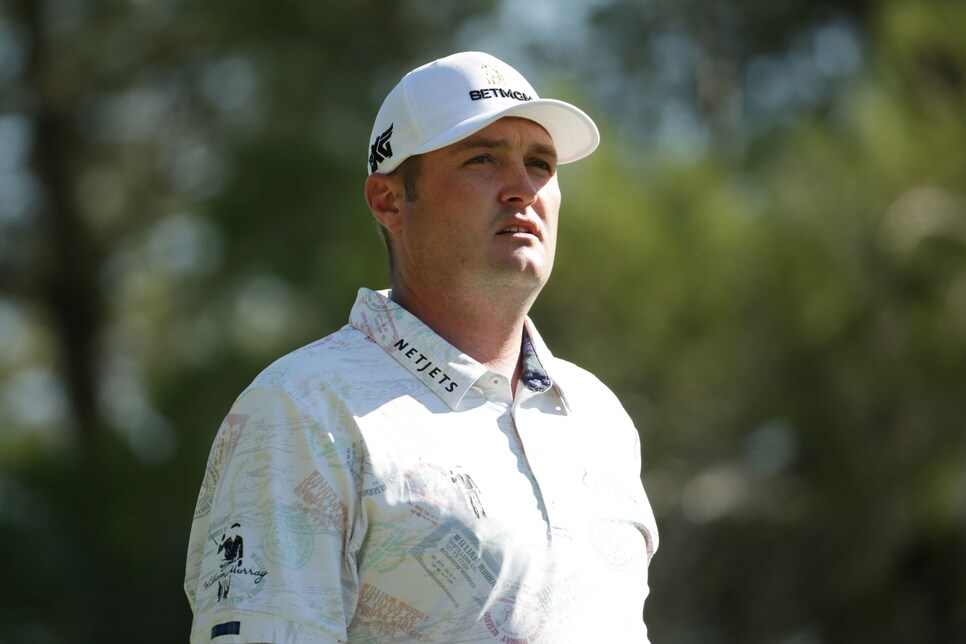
[509,131]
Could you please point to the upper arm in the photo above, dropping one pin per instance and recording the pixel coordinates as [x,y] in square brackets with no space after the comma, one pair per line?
[282,482]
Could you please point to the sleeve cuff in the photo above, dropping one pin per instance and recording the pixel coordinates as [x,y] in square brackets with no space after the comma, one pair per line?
[248,628]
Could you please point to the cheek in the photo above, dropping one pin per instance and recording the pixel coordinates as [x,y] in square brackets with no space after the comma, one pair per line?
[550,201]
[436,233]
[551,218]
[549,211]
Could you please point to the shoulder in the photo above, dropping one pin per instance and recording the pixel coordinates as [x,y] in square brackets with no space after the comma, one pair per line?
[591,401]
[335,354]
[338,374]
[330,362]
[581,386]
[297,414]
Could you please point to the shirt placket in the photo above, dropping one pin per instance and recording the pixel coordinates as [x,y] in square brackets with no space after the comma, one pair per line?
[496,389]
[541,471]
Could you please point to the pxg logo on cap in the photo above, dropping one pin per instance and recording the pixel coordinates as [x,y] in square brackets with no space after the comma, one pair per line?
[380,150]
[451,98]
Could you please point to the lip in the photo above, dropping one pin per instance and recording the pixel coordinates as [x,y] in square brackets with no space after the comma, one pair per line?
[520,226]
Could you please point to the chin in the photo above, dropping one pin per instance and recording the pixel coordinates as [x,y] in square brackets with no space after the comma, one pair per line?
[530,279]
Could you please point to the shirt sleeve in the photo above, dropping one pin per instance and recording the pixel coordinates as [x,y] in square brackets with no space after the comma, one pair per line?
[646,522]
[287,490]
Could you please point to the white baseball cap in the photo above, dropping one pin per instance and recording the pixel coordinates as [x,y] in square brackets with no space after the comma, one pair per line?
[451,98]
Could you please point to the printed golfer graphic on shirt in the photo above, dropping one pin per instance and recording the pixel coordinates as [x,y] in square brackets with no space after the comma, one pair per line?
[233,549]
[231,566]
[473,492]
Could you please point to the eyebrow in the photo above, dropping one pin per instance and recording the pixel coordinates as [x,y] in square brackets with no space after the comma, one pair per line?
[501,144]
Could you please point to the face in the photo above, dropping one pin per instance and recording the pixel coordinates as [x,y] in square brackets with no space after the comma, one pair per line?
[485,220]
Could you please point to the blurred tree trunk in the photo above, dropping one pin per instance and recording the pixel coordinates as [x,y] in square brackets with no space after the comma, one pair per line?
[63,275]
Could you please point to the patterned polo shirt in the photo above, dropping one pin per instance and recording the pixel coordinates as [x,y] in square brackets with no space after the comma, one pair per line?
[381,486]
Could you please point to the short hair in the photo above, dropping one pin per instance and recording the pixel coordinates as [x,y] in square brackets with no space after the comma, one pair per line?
[409,171]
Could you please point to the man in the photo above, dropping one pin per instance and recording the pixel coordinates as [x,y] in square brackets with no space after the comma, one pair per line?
[234,553]
[431,472]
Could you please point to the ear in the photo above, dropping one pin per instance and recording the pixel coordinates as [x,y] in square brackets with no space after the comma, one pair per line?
[385,195]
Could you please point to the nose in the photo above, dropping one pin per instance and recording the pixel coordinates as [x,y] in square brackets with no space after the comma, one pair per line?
[520,189]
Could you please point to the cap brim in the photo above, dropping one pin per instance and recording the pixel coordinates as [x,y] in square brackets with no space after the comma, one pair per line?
[574,133]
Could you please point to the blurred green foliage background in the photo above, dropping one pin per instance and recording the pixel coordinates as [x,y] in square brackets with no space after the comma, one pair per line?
[765,259]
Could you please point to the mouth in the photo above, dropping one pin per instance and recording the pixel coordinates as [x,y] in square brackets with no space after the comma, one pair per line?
[525,228]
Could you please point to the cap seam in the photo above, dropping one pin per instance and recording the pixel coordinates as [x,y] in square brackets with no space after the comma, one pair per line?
[411,112]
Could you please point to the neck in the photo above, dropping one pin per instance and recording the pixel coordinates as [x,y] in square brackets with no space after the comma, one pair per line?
[488,330]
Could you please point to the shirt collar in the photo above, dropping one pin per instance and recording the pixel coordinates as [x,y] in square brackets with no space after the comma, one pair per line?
[532,372]
[447,371]
[443,368]
[536,355]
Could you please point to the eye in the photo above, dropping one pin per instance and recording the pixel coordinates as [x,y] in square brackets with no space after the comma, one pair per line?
[479,159]
[541,164]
